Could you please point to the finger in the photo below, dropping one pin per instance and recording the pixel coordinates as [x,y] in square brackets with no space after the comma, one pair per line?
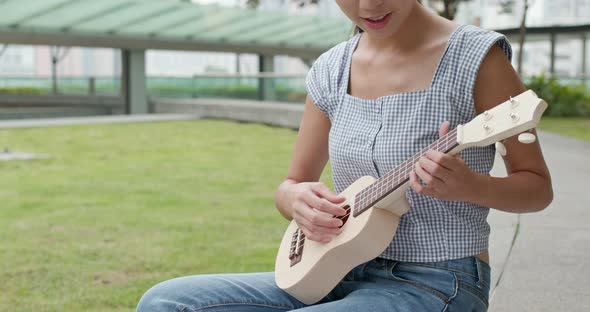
[323,191]
[323,205]
[317,230]
[319,218]
[459,159]
[423,175]
[444,129]
[433,184]
[445,160]
[313,236]
[433,168]
[417,187]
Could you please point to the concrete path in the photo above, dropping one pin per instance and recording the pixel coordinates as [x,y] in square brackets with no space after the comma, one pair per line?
[548,268]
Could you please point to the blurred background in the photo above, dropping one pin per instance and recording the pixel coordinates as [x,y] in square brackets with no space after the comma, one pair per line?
[209,33]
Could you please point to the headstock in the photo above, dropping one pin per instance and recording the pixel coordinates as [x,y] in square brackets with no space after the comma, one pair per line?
[518,114]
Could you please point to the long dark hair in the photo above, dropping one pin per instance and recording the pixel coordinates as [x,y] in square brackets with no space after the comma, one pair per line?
[358,30]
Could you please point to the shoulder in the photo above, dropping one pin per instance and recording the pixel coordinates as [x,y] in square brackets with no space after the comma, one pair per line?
[473,46]
[327,70]
[338,53]
[330,65]
[496,80]
[482,59]
[476,42]
[325,76]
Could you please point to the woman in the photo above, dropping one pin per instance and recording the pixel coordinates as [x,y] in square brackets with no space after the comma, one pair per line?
[394,88]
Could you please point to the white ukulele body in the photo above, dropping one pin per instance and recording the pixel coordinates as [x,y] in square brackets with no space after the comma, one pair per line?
[363,238]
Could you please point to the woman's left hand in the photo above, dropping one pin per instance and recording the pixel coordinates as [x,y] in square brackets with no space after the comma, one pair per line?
[445,177]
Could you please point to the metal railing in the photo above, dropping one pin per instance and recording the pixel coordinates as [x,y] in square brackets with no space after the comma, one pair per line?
[290,88]
[287,88]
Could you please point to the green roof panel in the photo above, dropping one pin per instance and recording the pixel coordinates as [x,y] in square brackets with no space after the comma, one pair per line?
[15,11]
[163,21]
[166,24]
[126,16]
[66,15]
[235,30]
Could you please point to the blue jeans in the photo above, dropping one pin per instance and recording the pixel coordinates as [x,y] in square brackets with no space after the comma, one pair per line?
[378,285]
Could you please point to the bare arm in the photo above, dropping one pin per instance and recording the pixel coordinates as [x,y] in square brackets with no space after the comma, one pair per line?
[527,188]
[312,204]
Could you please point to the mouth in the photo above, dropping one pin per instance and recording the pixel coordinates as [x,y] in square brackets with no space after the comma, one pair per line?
[377,22]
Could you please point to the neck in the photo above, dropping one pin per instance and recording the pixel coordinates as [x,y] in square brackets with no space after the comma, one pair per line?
[399,176]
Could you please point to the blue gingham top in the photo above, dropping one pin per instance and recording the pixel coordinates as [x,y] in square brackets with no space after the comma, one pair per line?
[373,136]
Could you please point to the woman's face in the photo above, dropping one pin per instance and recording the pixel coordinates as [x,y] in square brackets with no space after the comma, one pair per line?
[379,18]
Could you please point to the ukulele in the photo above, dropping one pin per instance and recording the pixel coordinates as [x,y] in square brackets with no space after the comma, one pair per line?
[309,270]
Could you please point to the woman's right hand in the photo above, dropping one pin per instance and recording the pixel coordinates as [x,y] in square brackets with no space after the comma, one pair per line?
[313,207]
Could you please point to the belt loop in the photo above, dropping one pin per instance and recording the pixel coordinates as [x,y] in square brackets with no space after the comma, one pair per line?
[391,265]
[479,274]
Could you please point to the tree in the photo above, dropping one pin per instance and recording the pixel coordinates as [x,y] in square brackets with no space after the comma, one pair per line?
[57,55]
[4,48]
[508,6]
[449,7]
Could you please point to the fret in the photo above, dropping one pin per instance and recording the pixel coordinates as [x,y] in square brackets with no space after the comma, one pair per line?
[387,183]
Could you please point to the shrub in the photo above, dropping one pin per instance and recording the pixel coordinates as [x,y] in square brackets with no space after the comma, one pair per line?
[563,100]
[22,90]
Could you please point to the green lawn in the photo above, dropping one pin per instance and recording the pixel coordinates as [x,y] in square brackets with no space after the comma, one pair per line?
[578,128]
[121,207]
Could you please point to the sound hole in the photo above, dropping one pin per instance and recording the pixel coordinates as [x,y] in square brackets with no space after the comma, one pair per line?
[344,218]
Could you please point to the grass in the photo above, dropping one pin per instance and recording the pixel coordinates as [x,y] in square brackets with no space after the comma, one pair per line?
[578,128]
[121,207]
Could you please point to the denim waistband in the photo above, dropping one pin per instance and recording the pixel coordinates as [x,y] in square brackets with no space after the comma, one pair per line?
[469,265]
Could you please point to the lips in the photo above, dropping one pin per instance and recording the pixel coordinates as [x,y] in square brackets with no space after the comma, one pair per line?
[377,22]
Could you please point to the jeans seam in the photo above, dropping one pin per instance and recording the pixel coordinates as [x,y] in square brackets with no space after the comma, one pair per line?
[474,291]
[200,308]
[454,294]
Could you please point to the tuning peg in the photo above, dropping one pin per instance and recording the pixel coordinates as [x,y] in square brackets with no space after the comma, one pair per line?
[501,148]
[526,138]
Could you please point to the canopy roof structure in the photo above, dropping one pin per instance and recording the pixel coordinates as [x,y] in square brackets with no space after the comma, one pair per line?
[545,30]
[167,24]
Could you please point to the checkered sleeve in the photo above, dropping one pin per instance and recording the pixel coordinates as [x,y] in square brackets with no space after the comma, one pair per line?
[476,46]
[317,84]
[322,82]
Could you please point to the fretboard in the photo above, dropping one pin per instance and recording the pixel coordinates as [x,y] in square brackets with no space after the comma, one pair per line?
[397,177]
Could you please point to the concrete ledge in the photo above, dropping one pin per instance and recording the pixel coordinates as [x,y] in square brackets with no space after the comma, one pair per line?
[58,122]
[26,100]
[272,113]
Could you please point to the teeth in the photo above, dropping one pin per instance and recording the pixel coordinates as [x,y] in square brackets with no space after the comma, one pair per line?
[377,18]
